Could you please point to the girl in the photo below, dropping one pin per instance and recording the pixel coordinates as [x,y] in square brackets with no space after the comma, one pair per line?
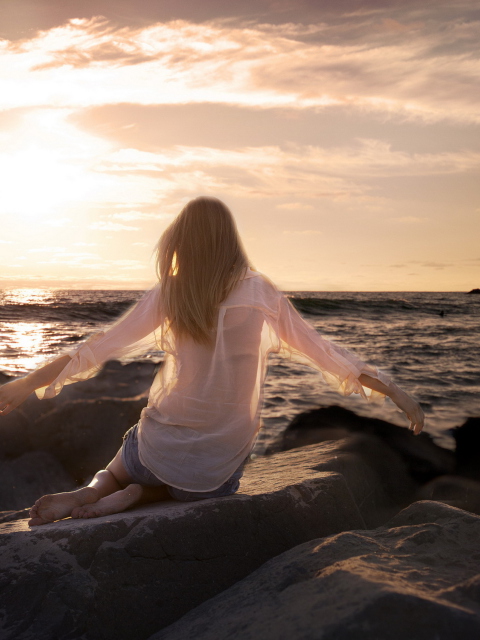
[216,319]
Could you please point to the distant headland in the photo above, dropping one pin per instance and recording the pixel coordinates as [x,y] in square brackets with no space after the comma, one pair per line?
[474,291]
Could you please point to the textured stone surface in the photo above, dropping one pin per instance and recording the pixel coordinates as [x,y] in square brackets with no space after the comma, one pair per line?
[463,493]
[423,459]
[127,576]
[416,578]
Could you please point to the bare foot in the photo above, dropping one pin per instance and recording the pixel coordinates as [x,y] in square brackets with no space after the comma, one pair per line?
[114,503]
[60,505]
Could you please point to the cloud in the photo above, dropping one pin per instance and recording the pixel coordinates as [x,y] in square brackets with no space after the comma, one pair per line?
[139,215]
[57,222]
[302,232]
[409,219]
[295,206]
[389,64]
[103,225]
[436,265]
[301,172]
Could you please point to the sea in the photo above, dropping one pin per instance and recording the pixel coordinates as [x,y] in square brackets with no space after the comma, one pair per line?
[428,343]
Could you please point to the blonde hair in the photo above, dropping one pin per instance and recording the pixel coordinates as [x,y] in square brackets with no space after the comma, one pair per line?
[199,259]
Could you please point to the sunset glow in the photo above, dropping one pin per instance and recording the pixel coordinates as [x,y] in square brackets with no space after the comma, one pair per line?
[345,141]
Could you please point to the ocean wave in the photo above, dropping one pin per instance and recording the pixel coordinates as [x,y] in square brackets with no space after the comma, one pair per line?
[385,306]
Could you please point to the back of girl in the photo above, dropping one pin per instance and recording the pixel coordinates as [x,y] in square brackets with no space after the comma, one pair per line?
[217,319]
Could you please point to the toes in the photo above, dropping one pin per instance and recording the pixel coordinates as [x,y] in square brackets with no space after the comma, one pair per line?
[34,522]
[47,516]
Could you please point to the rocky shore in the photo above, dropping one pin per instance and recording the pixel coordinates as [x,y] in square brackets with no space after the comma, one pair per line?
[350,528]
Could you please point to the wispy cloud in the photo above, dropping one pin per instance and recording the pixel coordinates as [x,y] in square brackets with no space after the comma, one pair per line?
[409,219]
[106,225]
[139,215]
[414,68]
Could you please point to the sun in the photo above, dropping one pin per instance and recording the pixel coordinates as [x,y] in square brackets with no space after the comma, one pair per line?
[36,182]
[46,169]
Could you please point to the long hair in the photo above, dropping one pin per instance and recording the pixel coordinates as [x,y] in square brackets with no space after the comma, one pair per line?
[199,259]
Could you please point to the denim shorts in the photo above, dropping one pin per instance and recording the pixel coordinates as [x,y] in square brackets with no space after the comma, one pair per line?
[141,475]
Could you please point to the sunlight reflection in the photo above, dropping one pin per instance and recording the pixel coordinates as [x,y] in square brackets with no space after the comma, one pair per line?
[27,296]
[25,348]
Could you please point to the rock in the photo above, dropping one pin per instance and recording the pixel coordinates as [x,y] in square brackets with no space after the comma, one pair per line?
[129,382]
[375,475]
[5,378]
[128,575]
[463,493]
[423,458]
[467,449]
[84,435]
[392,472]
[33,474]
[13,514]
[417,578]
[83,426]
[477,291]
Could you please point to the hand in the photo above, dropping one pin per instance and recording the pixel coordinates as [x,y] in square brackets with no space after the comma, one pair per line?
[12,394]
[411,408]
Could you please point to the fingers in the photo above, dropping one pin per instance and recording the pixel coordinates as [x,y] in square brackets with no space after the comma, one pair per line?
[418,426]
[5,409]
[417,420]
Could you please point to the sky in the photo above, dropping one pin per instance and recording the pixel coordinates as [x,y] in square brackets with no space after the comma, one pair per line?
[344,137]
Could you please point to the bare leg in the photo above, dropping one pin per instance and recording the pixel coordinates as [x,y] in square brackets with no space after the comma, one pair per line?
[60,505]
[117,502]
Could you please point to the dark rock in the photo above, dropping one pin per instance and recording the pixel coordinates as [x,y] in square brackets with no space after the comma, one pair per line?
[467,450]
[128,575]
[375,475]
[83,426]
[5,378]
[424,459]
[86,434]
[474,291]
[33,474]
[463,493]
[417,578]
[15,514]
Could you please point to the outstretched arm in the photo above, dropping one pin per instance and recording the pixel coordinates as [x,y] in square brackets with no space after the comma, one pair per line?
[406,403]
[340,368]
[13,393]
[131,334]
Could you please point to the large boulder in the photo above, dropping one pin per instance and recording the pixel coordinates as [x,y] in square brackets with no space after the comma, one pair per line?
[84,435]
[30,476]
[457,491]
[424,459]
[417,578]
[83,425]
[128,575]
[467,449]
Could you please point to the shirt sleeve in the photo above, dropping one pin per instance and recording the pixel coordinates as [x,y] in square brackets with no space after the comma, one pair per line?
[340,368]
[134,333]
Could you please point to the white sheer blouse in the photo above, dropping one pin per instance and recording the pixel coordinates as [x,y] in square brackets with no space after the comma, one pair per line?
[203,410]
